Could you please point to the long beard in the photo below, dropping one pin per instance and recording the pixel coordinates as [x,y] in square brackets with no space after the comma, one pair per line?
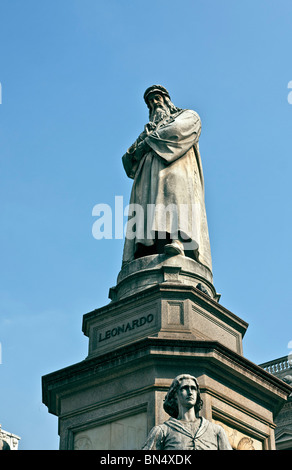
[158,114]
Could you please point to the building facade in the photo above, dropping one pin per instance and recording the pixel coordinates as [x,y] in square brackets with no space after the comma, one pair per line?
[8,441]
[282,368]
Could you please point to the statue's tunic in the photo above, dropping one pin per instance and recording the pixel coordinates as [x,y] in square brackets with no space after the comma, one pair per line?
[173,435]
[169,175]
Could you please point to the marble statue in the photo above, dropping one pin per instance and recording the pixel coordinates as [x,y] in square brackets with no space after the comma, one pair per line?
[186,430]
[167,196]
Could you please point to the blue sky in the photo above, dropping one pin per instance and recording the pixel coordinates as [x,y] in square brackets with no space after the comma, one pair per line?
[73,74]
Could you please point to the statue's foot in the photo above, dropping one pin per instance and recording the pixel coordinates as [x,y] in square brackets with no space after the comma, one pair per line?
[174,248]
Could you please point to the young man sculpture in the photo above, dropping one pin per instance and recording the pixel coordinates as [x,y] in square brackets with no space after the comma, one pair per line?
[185,430]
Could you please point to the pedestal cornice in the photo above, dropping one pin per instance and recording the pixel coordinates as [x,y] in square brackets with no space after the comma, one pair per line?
[209,355]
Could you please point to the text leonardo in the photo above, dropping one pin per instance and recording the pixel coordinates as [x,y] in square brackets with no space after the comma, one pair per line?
[125,327]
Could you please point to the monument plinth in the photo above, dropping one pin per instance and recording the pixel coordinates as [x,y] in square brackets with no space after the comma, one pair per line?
[164,319]
[142,273]
[169,309]
[137,344]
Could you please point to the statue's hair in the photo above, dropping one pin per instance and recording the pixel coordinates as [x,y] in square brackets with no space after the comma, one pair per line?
[170,402]
[172,108]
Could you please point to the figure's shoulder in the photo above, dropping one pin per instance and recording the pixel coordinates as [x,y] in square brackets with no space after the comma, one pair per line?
[159,429]
[206,424]
[222,438]
[217,428]
[191,112]
[188,114]
[155,438]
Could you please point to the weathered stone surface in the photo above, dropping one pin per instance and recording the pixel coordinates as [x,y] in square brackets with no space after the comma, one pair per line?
[148,271]
[134,380]
[170,310]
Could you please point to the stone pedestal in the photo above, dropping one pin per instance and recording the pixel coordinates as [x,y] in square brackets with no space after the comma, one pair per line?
[164,320]
[143,273]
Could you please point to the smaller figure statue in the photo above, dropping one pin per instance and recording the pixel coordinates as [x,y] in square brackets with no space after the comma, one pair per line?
[186,430]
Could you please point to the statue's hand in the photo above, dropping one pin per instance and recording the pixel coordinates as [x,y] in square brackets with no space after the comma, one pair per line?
[141,149]
[150,126]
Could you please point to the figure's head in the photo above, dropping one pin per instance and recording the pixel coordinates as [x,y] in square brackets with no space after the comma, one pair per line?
[184,390]
[158,101]
[155,89]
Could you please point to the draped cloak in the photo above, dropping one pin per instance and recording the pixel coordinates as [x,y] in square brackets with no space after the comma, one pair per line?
[169,175]
[173,435]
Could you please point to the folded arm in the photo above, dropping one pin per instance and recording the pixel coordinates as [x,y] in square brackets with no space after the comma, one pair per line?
[176,137]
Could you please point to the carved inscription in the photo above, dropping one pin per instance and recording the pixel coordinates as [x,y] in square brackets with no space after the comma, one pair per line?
[125,327]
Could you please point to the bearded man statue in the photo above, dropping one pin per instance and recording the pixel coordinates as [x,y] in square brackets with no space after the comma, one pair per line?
[167,205]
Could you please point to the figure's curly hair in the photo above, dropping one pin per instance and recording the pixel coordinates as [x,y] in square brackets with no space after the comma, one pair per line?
[170,402]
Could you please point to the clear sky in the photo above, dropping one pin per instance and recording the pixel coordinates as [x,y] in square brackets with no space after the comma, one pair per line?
[73,74]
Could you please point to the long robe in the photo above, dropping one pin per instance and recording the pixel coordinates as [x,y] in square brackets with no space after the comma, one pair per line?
[173,435]
[169,178]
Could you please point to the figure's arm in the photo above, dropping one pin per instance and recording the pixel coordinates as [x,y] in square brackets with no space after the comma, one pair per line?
[175,138]
[134,154]
[155,439]
[132,157]
[223,442]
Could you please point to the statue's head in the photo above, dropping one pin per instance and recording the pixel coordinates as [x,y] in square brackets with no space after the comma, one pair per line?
[155,89]
[170,404]
[158,101]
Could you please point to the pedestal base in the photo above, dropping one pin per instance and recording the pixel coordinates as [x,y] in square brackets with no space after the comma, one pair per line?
[111,402]
[149,271]
[171,309]
[164,320]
